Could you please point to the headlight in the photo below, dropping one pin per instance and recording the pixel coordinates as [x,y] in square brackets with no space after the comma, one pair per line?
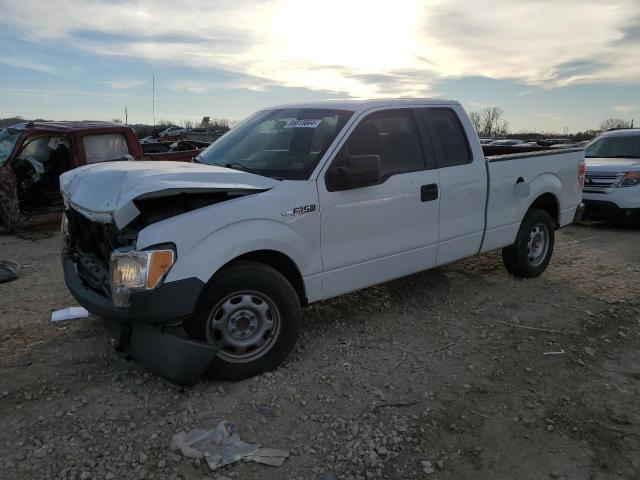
[137,270]
[631,179]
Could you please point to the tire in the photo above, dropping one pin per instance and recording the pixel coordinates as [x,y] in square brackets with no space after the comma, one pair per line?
[529,256]
[253,313]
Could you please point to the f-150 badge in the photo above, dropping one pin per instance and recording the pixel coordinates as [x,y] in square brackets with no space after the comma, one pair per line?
[299,210]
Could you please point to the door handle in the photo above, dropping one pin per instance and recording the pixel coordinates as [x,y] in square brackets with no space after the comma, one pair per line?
[429,192]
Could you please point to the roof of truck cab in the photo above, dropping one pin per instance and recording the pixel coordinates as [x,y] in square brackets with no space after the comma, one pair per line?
[363,105]
[68,126]
[621,132]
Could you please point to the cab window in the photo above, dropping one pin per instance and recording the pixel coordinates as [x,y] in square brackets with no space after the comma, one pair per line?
[448,137]
[392,136]
[105,147]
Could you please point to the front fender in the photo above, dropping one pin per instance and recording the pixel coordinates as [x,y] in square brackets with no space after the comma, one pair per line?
[218,248]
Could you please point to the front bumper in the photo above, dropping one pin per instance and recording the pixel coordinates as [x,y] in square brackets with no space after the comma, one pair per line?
[170,302]
[174,357]
[604,210]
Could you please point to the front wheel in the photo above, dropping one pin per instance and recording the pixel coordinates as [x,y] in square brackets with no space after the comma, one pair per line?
[529,256]
[253,314]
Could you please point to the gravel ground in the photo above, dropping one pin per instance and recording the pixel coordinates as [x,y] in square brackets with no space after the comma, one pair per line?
[459,372]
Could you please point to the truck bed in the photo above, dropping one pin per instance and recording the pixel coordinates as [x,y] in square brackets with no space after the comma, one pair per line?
[552,172]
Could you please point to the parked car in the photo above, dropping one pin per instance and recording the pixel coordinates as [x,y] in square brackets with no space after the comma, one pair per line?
[298,204]
[173,132]
[612,188]
[34,155]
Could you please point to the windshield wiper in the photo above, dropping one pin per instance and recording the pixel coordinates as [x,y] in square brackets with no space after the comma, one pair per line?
[241,166]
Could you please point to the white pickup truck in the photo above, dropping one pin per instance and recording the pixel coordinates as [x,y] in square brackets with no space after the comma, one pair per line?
[295,205]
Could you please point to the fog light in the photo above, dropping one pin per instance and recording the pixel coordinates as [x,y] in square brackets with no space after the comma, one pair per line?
[137,270]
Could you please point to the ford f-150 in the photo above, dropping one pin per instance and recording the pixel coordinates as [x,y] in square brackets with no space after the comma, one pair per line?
[298,204]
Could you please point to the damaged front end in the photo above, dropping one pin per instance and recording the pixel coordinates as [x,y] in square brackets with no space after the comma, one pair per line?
[144,321]
[108,274]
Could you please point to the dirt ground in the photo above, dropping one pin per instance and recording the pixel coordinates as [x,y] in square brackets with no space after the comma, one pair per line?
[462,372]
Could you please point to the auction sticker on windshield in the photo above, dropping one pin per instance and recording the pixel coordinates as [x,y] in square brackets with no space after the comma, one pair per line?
[302,123]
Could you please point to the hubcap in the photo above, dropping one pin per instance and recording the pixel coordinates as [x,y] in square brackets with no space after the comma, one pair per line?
[538,244]
[245,325]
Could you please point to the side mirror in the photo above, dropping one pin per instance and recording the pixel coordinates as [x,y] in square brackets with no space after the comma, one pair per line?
[358,171]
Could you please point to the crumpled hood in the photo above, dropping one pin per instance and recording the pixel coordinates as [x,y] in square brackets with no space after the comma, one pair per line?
[614,165]
[105,192]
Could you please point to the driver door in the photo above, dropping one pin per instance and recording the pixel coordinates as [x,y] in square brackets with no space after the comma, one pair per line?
[385,230]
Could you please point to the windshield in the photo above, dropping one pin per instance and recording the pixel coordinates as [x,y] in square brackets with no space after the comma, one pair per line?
[8,139]
[285,144]
[622,146]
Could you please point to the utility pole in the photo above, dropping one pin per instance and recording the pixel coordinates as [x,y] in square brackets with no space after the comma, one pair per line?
[154,100]
[126,116]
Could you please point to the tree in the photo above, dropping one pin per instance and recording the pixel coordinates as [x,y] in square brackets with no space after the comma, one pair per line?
[489,122]
[614,123]
[188,124]
[164,124]
[476,120]
[116,120]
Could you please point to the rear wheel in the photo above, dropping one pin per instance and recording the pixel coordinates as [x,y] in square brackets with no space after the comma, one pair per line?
[529,256]
[253,314]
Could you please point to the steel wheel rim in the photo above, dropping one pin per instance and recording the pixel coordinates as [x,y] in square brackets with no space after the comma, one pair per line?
[245,325]
[538,244]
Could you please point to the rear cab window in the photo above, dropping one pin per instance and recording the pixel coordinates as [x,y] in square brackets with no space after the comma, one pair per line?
[448,137]
[105,147]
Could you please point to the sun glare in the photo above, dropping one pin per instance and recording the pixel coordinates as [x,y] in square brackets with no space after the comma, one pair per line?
[362,34]
[328,44]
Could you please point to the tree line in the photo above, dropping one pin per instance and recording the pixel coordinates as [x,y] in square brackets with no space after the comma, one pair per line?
[489,122]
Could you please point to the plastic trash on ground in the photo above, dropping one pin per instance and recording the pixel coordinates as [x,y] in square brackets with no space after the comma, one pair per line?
[222,446]
[71,313]
[7,271]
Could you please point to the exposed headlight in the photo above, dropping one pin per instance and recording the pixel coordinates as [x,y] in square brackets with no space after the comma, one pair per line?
[137,270]
[631,179]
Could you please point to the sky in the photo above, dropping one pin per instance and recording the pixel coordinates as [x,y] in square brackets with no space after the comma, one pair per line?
[550,64]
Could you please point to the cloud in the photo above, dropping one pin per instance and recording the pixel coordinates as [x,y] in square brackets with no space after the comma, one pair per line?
[34,92]
[123,84]
[227,81]
[28,64]
[548,116]
[190,86]
[627,108]
[372,48]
